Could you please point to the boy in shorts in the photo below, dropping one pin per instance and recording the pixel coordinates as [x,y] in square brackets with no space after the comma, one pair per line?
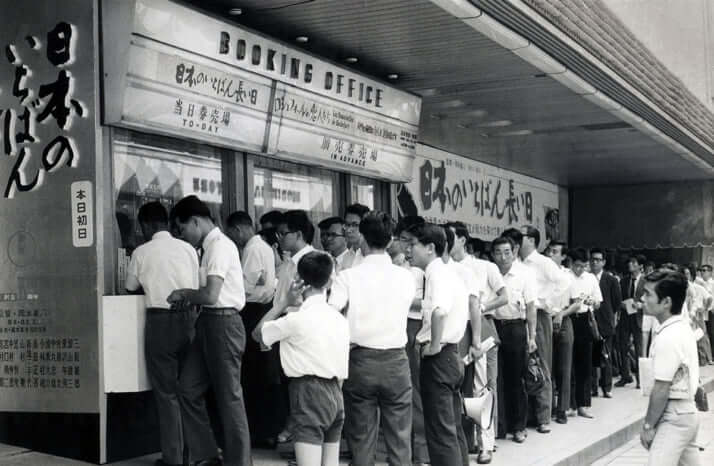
[314,353]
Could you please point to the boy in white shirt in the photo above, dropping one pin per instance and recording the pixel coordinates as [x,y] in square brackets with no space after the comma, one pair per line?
[314,353]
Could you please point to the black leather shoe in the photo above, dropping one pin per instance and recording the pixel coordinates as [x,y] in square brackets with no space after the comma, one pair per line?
[593,393]
[623,382]
[561,419]
[607,395]
[484,457]
[543,429]
[520,436]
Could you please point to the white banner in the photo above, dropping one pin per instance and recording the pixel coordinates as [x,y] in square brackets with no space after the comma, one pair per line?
[447,187]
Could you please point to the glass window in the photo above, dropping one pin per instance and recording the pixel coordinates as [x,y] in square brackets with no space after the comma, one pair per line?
[282,186]
[150,168]
[363,190]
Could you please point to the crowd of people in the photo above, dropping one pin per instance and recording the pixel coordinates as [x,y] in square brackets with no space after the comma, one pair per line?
[255,337]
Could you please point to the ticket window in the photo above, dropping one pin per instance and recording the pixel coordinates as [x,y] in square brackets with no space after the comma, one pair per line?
[150,168]
[370,192]
[280,185]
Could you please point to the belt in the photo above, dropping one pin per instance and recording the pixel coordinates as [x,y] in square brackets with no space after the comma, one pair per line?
[161,310]
[219,311]
[307,378]
[509,321]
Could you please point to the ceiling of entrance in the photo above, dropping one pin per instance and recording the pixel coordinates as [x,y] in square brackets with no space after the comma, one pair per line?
[479,100]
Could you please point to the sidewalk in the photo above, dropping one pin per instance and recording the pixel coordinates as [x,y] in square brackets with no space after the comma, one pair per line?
[609,439]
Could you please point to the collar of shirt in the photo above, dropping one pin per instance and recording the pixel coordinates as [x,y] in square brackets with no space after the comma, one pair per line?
[433,267]
[672,320]
[599,276]
[210,237]
[532,257]
[314,300]
[341,257]
[377,259]
[253,240]
[161,234]
[513,270]
[298,255]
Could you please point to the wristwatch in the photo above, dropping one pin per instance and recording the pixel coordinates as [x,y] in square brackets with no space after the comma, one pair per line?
[646,426]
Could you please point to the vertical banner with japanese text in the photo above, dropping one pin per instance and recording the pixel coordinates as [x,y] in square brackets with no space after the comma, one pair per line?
[48,287]
[447,187]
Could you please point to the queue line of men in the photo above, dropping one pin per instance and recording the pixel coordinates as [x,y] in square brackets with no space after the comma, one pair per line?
[412,323]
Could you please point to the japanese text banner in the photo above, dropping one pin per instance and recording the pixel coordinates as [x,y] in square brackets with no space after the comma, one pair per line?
[447,187]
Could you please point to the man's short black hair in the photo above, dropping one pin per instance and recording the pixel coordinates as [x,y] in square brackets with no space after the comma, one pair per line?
[706,268]
[315,268]
[672,285]
[450,238]
[428,233]
[153,213]
[407,222]
[579,254]
[515,235]
[325,224]
[297,220]
[191,206]
[639,258]
[597,251]
[532,232]
[501,240]
[556,242]
[692,269]
[650,264]
[459,229]
[477,245]
[269,235]
[239,218]
[357,209]
[669,266]
[377,229]
[274,217]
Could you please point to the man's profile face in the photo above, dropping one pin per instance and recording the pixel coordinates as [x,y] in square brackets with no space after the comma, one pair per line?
[706,273]
[555,252]
[579,267]
[633,266]
[652,304]
[189,231]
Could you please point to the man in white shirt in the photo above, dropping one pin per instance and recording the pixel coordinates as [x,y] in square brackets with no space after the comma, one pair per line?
[295,233]
[354,214]
[470,345]
[563,339]
[420,452]
[314,353]
[551,282]
[671,423]
[493,295]
[214,357]
[446,312]
[516,325]
[376,296]
[585,298]
[260,369]
[706,274]
[332,237]
[158,267]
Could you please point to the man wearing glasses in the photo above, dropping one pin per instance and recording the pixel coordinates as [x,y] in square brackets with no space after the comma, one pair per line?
[354,214]
[332,237]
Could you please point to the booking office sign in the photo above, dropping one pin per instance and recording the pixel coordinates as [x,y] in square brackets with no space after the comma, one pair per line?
[48,254]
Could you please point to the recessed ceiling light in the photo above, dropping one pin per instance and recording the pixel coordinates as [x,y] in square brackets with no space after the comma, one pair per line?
[480,113]
[351,59]
[429,92]
[450,104]
[520,132]
[392,76]
[235,11]
[462,126]
[435,116]
[302,39]
[495,124]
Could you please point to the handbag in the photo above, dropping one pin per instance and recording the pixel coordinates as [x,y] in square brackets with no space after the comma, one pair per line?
[700,399]
[594,331]
[535,378]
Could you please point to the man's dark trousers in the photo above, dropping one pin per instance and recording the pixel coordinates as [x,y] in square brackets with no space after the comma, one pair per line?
[378,390]
[214,359]
[260,378]
[563,365]
[602,358]
[467,388]
[420,453]
[512,363]
[543,400]
[167,336]
[629,324]
[441,377]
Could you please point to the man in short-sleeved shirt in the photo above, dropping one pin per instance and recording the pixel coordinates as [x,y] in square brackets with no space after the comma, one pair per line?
[671,424]
[214,358]
[376,296]
[160,266]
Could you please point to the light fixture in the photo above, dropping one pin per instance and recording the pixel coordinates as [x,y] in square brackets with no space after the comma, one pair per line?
[301,39]
[520,132]
[392,76]
[435,116]
[235,11]
[479,113]
[351,60]
[495,124]
[428,92]
[462,126]
[450,103]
